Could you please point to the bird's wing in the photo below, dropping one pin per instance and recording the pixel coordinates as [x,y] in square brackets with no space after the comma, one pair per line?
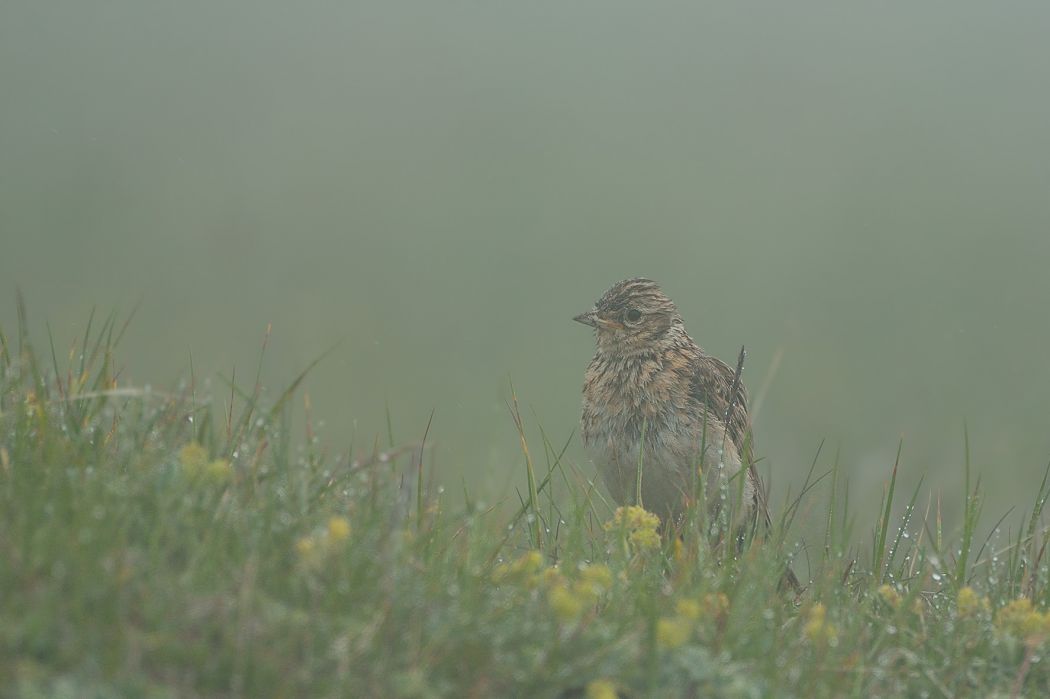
[716,385]
[712,384]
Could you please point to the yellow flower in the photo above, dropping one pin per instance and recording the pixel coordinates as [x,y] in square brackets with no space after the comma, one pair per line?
[218,470]
[968,604]
[645,539]
[672,632]
[305,545]
[308,551]
[817,629]
[522,569]
[567,607]
[633,517]
[641,526]
[889,595]
[530,562]
[688,609]
[338,529]
[193,458]
[596,577]
[1019,618]
[597,574]
[601,689]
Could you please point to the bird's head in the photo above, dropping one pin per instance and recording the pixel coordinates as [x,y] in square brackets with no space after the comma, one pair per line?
[632,317]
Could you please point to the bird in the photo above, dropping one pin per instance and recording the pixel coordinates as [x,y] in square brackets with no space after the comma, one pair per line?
[657,407]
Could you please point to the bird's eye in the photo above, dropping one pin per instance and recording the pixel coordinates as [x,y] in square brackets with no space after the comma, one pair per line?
[634,315]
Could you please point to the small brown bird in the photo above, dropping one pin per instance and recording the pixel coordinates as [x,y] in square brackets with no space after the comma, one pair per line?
[649,381]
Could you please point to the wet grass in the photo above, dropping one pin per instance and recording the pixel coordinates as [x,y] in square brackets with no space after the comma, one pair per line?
[179,544]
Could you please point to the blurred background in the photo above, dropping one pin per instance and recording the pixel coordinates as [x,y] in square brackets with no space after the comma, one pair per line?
[861,195]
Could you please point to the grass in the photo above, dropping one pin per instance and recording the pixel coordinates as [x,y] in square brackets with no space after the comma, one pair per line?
[168,544]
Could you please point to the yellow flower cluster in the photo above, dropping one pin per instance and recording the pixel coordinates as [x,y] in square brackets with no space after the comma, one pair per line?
[602,689]
[306,548]
[1021,619]
[817,629]
[969,604]
[193,456]
[195,462]
[569,600]
[338,529]
[526,569]
[313,549]
[893,598]
[567,607]
[595,580]
[640,525]
[889,595]
[673,631]
[688,609]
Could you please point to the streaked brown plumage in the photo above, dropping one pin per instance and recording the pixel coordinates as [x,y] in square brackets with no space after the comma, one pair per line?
[647,374]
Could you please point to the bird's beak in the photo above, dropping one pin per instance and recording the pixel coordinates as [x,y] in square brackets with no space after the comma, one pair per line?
[589,318]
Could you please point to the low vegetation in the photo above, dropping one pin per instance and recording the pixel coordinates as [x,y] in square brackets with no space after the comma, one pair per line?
[173,544]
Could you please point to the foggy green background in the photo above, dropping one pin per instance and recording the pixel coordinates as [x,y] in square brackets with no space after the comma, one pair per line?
[443,185]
